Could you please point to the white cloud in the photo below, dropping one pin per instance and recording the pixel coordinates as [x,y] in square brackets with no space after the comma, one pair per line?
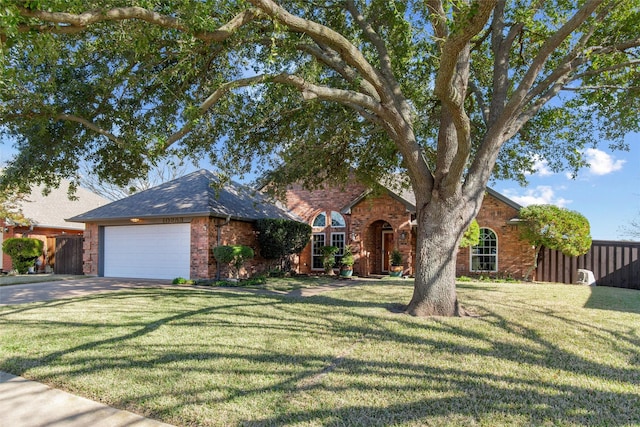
[540,164]
[602,163]
[540,195]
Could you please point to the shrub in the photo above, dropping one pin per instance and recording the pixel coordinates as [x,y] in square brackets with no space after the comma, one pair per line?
[279,238]
[182,281]
[555,228]
[347,259]
[328,258]
[396,257]
[234,255]
[471,236]
[23,252]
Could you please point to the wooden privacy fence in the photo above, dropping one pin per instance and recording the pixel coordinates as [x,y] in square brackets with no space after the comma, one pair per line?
[68,255]
[613,263]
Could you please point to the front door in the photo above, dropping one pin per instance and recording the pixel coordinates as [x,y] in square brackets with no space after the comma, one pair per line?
[387,247]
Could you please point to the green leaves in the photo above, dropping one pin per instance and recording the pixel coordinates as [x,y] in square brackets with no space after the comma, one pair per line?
[555,228]
[279,237]
[114,93]
[23,251]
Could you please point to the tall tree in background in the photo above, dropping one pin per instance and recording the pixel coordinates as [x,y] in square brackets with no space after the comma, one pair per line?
[10,210]
[449,92]
[156,175]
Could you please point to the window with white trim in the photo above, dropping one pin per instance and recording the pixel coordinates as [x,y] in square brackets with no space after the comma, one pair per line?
[484,256]
[317,242]
[320,220]
[337,240]
[337,220]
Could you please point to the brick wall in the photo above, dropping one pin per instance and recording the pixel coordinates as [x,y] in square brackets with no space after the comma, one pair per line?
[90,250]
[366,215]
[308,204]
[514,255]
[203,240]
[204,237]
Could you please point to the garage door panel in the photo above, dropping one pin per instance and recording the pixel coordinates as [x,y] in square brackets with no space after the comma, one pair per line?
[147,251]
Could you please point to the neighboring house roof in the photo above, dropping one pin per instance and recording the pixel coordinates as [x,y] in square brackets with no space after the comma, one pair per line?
[50,211]
[190,196]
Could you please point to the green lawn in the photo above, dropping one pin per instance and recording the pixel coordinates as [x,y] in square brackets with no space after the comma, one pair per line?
[537,355]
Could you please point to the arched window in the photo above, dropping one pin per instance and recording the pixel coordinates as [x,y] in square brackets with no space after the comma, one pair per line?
[337,220]
[324,235]
[484,256]
[320,220]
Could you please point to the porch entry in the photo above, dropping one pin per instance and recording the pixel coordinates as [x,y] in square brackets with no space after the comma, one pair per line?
[377,244]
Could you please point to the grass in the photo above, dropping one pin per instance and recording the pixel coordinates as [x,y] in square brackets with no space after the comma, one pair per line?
[280,284]
[537,355]
[35,278]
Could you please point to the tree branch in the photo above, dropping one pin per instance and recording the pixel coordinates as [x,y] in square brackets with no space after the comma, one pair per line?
[451,87]
[346,97]
[324,35]
[378,43]
[90,125]
[309,91]
[331,58]
[550,45]
[210,101]
[71,23]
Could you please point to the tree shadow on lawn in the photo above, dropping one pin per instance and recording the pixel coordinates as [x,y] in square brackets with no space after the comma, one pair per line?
[614,299]
[535,381]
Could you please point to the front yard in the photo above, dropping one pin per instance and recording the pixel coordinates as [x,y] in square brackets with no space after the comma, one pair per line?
[537,355]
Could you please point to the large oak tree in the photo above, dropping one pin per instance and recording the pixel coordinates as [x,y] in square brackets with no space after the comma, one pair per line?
[450,92]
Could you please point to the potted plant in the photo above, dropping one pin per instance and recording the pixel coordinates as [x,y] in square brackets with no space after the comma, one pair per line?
[346,270]
[329,258]
[396,263]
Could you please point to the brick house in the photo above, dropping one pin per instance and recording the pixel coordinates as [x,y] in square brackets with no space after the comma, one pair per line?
[373,224]
[170,230]
[46,215]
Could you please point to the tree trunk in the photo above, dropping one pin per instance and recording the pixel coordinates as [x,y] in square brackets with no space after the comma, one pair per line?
[440,227]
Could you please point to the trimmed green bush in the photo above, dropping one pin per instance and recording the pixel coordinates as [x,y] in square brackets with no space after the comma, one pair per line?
[233,255]
[23,252]
[279,238]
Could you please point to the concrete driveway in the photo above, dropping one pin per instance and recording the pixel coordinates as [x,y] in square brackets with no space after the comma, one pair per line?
[47,291]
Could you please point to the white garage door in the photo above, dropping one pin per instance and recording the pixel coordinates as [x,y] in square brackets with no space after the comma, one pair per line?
[147,251]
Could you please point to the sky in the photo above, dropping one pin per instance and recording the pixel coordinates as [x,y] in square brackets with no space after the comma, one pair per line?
[607,193]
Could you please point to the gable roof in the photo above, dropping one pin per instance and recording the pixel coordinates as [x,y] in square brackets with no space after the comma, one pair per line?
[190,196]
[51,210]
[408,198]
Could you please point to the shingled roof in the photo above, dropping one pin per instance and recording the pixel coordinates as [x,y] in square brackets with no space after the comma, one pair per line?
[192,195]
[405,195]
[50,210]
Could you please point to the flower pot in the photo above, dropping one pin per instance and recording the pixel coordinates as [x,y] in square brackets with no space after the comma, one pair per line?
[396,270]
[346,272]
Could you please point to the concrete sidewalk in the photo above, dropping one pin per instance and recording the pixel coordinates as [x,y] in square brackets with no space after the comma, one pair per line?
[25,403]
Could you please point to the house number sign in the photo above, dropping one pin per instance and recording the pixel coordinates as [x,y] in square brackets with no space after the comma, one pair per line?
[173,220]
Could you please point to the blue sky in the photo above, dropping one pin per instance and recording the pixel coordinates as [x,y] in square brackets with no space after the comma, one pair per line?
[607,193]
